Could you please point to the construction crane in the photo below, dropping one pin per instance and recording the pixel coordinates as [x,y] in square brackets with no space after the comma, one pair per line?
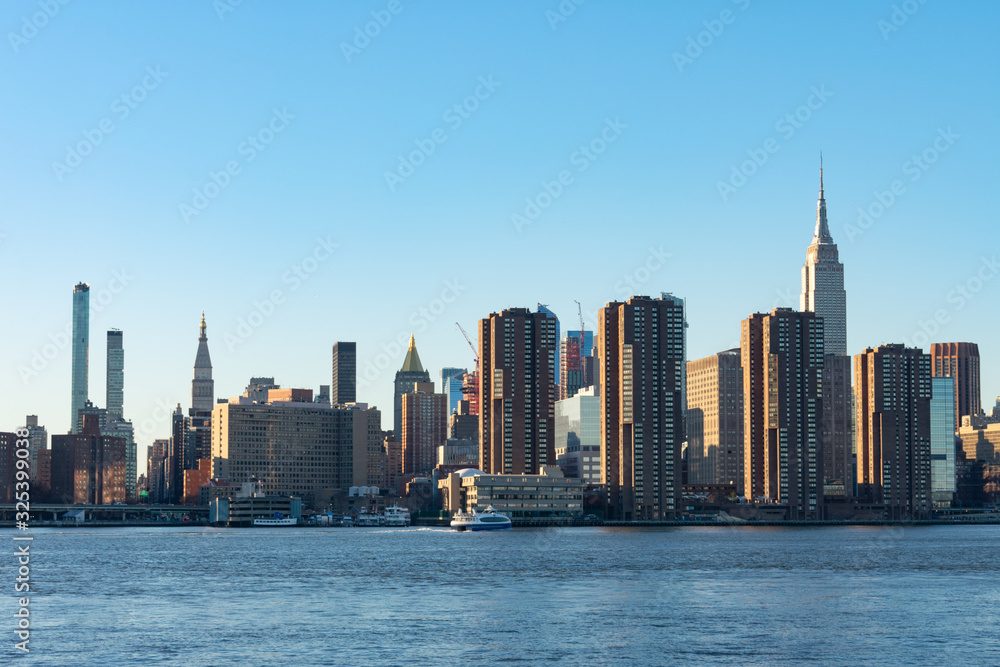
[475,352]
[579,309]
[471,389]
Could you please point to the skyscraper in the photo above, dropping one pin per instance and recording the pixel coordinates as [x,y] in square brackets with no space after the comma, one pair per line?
[942,441]
[81,348]
[715,420]
[198,425]
[116,374]
[178,457]
[38,439]
[586,357]
[345,377]
[894,429]
[823,293]
[425,427]
[823,281]
[115,424]
[412,371]
[960,361]
[451,386]
[640,362]
[516,392]
[571,364]
[782,357]
[578,435]
[202,386]
[542,308]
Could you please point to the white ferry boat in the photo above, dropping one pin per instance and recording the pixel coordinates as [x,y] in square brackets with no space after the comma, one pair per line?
[489,519]
[278,520]
[397,516]
[366,519]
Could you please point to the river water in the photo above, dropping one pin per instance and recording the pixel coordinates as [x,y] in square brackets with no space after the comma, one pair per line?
[587,596]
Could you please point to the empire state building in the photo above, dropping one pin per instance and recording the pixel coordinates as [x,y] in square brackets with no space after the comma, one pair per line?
[823,293]
[823,281]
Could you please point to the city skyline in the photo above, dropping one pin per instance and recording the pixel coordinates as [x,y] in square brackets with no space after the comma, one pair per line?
[647,184]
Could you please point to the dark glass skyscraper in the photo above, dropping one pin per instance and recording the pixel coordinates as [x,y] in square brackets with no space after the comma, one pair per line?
[345,376]
[116,374]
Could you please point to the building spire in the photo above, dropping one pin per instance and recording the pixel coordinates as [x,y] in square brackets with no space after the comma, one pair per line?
[822,233]
[412,362]
[202,386]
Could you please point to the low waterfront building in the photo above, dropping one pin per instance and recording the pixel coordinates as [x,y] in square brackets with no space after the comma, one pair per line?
[550,494]
[297,447]
[251,502]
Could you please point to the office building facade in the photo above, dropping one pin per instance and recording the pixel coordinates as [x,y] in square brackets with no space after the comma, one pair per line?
[960,361]
[893,388]
[345,373]
[578,436]
[425,428]
[715,420]
[640,366]
[411,371]
[942,441]
[517,391]
[781,353]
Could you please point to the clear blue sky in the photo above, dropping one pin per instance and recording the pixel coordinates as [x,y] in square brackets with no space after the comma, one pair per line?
[681,127]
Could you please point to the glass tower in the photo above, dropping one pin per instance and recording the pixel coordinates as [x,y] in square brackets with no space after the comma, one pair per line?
[81,346]
[942,441]
[578,436]
[451,385]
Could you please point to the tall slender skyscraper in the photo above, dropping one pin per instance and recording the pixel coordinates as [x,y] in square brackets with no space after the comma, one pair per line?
[345,376]
[412,371]
[823,293]
[781,355]
[116,374]
[823,281]
[203,386]
[81,348]
[943,430]
[640,361]
[517,392]
[198,425]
